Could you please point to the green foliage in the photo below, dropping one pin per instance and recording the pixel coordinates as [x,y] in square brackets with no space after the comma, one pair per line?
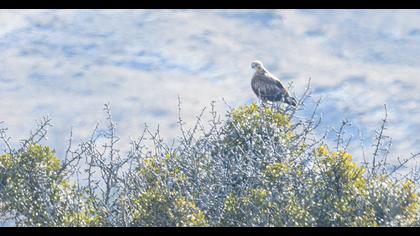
[159,205]
[255,169]
[34,192]
[343,190]
[318,188]
[256,125]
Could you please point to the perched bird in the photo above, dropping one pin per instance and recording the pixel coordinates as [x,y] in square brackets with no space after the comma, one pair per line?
[267,87]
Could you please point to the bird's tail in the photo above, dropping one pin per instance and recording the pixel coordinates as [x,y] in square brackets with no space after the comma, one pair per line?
[291,101]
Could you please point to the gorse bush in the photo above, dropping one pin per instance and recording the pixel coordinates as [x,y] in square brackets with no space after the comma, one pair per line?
[260,166]
[35,192]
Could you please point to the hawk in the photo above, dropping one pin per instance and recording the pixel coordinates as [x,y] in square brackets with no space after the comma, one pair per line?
[267,87]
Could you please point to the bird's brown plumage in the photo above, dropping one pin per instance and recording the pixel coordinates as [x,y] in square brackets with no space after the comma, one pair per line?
[268,88]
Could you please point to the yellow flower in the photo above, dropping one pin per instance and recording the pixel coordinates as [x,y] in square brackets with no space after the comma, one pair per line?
[347,155]
[323,150]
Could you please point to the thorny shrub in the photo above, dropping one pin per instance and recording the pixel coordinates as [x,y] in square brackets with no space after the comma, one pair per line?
[260,166]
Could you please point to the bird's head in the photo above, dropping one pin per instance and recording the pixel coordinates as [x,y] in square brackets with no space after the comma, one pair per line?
[258,66]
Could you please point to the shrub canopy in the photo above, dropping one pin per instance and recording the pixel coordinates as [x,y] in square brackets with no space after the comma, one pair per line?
[258,167]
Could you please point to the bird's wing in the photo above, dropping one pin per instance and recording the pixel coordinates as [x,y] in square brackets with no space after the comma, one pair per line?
[288,99]
[277,82]
[264,85]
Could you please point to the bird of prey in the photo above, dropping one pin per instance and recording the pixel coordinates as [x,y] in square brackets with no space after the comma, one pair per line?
[267,87]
